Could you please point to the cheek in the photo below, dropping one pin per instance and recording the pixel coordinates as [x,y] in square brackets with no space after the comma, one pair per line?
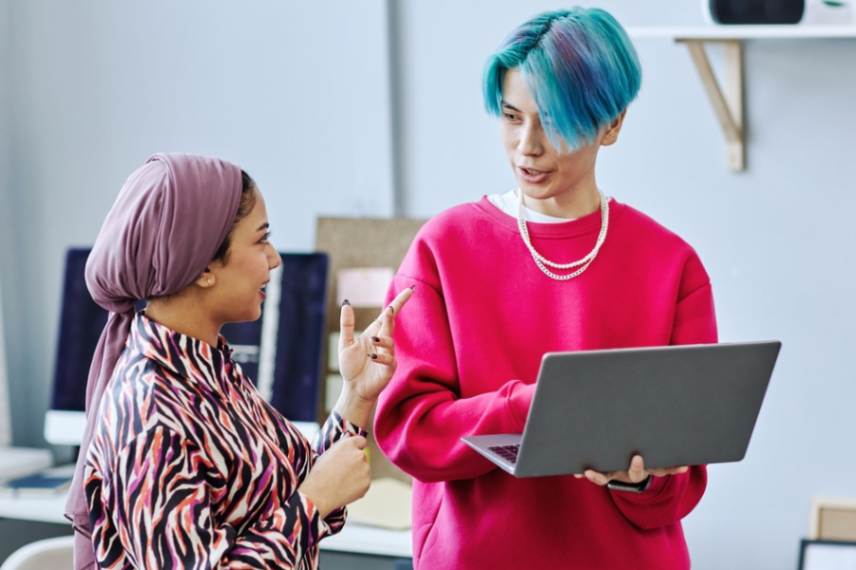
[250,269]
[263,264]
[571,167]
[256,267]
[509,140]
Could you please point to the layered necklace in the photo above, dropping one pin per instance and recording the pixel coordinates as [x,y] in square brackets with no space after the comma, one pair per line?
[580,265]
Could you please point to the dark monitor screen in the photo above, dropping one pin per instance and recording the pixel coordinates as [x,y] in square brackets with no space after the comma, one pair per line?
[298,338]
[297,364]
[80,324]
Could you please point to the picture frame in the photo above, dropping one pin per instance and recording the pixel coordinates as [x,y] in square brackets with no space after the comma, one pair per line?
[833,519]
[826,554]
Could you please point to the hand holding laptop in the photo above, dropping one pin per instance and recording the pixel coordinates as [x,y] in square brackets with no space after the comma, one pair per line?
[635,474]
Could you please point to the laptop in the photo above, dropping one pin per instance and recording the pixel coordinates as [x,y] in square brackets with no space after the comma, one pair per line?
[674,405]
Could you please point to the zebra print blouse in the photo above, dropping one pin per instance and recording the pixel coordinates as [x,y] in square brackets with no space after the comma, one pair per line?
[191,468]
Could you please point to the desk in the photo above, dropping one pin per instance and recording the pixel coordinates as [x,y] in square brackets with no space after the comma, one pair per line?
[360,539]
[35,509]
[17,461]
[354,538]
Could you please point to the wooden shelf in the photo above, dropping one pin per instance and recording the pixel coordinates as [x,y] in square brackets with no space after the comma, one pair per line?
[726,97]
[714,33]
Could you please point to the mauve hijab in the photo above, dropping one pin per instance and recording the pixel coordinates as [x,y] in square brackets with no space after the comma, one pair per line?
[170,218]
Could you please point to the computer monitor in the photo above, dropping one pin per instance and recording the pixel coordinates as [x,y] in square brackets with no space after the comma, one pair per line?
[293,325]
[281,352]
[80,325]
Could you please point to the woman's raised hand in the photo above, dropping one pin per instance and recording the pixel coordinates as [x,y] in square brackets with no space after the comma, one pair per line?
[367,361]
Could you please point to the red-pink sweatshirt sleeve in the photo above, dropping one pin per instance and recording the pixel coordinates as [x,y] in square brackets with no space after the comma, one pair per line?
[669,499]
[421,415]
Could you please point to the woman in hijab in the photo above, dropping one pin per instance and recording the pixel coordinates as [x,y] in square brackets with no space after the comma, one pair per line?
[183,464]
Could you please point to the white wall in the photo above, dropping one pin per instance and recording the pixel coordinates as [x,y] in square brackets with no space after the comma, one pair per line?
[777,239]
[5,212]
[296,93]
[299,95]
[5,413]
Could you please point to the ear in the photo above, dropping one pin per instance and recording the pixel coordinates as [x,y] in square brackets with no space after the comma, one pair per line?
[610,136]
[206,279]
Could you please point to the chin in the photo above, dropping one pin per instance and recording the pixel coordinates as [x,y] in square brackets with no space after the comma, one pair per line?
[247,317]
[536,192]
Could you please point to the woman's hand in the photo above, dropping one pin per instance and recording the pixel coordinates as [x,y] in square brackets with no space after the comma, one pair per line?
[636,473]
[339,477]
[366,362]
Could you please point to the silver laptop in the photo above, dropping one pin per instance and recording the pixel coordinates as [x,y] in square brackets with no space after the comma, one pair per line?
[674,405]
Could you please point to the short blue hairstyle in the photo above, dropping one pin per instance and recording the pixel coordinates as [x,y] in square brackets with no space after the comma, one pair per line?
[581,69]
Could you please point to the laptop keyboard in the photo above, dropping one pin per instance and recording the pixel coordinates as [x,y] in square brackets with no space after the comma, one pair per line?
[508,452]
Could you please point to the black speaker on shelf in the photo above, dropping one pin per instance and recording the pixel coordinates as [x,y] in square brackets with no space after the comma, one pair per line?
[757,11]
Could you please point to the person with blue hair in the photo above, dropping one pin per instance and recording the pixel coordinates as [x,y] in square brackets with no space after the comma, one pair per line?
[553,265]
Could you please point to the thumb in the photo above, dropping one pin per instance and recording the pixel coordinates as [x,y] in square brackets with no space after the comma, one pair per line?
[358,441]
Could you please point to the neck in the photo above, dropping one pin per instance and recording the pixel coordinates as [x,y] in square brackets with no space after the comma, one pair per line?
[577,201]
[184,316]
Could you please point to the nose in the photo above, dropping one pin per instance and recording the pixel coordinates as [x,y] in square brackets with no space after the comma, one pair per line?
[274,260]
[531,140]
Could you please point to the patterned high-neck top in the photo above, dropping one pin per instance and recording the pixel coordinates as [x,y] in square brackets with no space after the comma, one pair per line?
[191,468]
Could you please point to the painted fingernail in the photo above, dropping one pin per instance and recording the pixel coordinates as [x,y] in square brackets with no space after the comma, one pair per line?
[345,302]
[375,339]
[413,287]
[373,356]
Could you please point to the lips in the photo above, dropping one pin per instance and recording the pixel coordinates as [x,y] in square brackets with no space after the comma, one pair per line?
[532,175]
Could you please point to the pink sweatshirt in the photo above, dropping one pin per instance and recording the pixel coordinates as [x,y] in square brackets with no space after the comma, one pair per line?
[469,344]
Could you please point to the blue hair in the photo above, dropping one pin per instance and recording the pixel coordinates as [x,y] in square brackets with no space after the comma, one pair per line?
[580,66]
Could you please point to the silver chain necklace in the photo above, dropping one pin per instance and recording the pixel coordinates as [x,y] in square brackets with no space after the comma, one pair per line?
[582,263]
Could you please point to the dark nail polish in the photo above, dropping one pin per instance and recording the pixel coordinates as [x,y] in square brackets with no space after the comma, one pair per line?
[373,356]
[375,339]
[413,287]
[345,302]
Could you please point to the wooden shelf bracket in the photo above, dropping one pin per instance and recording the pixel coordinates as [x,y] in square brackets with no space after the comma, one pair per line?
[726,97]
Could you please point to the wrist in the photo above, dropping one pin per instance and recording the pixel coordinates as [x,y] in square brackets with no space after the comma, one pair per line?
[640,487]
[315,498]
[353,407]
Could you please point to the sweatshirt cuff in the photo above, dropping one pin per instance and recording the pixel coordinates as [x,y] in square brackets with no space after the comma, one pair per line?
[519,400]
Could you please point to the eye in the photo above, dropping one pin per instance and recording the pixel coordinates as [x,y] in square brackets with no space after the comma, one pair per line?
[265,238]
[509,116]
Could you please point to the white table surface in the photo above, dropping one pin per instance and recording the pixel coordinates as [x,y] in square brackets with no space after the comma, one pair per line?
[17,461]
[354,538]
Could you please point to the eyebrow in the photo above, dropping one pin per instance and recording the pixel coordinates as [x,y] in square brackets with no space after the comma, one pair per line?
[512,107]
